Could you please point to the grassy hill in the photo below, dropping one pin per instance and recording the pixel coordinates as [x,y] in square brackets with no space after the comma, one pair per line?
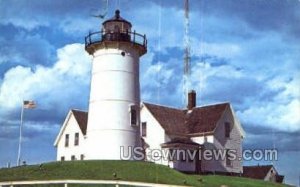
[122,170]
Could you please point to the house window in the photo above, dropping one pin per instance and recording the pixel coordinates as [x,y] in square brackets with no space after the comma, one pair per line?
[228,158]
[62,158]
[67,140]
[133,115]
[73,157]
[82,157]
[76,142]
[144,129]
[227,130]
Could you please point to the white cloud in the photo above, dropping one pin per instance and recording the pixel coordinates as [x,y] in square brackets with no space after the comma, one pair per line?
[158,71]
[280,110]
[57,84]
[155,78]
[20,14]
[222,50]
[171,34]
[26,22]
[274,115]
[25,49]
[203,71]
[79,26]
[289,84]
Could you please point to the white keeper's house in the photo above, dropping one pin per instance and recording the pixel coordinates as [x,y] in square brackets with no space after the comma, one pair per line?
[118,119]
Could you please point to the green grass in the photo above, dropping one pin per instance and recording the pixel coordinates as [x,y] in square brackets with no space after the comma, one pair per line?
[124,170]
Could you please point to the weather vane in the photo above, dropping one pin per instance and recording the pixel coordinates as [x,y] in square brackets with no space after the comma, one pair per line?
[105,10]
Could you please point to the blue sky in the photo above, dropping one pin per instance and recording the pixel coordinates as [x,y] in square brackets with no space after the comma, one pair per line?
[243,51]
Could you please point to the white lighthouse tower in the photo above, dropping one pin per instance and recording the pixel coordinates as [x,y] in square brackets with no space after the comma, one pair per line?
[114,113]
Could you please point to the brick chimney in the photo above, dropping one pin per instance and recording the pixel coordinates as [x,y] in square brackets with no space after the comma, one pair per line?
[191,99]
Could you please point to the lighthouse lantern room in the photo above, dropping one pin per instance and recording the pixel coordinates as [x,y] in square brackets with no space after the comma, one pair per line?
[114,104]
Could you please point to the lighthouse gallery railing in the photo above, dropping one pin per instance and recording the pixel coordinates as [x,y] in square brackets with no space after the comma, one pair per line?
[127,36]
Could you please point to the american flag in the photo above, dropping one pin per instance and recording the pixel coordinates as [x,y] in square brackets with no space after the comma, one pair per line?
[29,104]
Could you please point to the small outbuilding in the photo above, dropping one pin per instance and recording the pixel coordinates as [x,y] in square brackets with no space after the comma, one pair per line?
[265,172]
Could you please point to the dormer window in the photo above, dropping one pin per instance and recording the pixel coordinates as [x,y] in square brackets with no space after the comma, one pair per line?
[227,130]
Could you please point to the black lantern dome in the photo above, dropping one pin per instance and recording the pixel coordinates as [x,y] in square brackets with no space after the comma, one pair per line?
[116,18]
[116,28]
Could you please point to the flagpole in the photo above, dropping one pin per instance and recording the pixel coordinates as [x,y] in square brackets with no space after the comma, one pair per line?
[20,137]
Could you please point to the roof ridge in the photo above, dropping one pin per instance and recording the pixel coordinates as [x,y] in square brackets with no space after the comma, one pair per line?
[260,165]
[165,106]
[79,110]
[213,104]
[185,109]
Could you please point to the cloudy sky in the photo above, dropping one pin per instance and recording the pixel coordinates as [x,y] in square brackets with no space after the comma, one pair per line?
[246,52]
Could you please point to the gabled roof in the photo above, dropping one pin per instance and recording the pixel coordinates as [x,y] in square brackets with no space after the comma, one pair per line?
[198,120]
[256,172]
[81,118]
[171,119]
[205,118]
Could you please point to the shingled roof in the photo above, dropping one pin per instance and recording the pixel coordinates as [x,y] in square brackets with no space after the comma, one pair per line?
[81,118]
[199,120]
[171,119]
[175,121]
[256,172]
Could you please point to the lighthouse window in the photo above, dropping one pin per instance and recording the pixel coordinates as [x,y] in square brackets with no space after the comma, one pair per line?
[133,115]
[117,29]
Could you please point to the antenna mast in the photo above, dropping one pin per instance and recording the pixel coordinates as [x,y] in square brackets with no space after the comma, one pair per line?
[187,58]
